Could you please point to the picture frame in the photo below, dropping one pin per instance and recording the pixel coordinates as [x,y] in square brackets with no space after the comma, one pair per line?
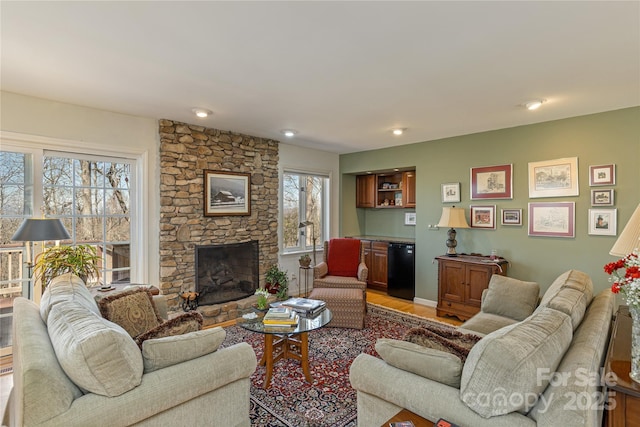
[603,222]
[492,182]
[450,192]
[410,218]
[552,219]
[483,216]
[554,178]
[511,217]
[602,197]
[602,175]
[226,193]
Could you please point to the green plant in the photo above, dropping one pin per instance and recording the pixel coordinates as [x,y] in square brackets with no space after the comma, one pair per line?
[81,260]
[262,301]
[277,281]
[304,260]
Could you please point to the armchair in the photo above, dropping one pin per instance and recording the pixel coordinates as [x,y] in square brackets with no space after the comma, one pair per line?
[343,266]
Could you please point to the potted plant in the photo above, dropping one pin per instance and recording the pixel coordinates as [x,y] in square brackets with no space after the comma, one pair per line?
[304,260]
[81,260]
[277,281]
[262,302]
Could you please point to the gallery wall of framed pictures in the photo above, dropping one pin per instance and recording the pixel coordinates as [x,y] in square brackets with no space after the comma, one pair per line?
[557,178]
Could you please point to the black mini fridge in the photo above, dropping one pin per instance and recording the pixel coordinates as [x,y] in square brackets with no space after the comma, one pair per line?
[401,270]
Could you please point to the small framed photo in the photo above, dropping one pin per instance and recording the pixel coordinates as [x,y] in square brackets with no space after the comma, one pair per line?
[552,219]
[602,197]
[553,178]
[451,192]
[511,217]
[227,193]
[483,216]
[602,175]
[410,218]
[603,222]
[492,182]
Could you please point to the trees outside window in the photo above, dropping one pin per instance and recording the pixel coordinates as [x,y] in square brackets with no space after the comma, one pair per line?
[304,199]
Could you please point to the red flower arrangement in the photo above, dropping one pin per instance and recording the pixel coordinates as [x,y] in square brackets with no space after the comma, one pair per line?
[626,277]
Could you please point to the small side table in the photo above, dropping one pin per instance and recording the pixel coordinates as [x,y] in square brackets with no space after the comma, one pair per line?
[406,415]
[303,277]
[624,395]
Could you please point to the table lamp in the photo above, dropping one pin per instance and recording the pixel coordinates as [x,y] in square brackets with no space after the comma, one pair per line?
[452,217]
[629,239]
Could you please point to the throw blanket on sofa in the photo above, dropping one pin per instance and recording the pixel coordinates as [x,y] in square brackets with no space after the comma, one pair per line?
[443,339]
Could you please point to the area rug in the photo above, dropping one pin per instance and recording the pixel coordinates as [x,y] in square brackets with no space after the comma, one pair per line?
[330,401]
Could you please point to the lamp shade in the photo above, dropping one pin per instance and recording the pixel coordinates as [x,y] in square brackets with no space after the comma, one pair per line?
[41,229]
[453,217]
[629,239]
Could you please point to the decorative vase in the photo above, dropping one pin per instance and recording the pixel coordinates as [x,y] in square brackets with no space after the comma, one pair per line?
[635,343]
[305,263]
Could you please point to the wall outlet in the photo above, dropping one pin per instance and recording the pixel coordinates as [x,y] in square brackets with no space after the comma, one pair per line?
[433,227]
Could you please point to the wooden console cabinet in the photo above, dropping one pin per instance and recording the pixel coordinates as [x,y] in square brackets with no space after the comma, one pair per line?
[376,258]
[461,281]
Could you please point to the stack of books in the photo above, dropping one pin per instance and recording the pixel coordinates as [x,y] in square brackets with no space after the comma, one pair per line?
[305,306]
[280,317]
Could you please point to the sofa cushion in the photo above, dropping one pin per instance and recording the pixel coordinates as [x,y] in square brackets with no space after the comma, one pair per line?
[134,310]
[571,302]
[485,323]
[343,257]
[573,279]
[158,353]
[510,297]
[429,363]
[66,287]
[183,324]
[501,372]
[98,356]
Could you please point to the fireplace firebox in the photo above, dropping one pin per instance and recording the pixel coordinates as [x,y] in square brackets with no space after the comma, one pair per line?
[226,272]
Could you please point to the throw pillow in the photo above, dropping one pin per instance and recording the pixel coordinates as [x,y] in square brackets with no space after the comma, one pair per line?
[343,257]
[97,355]
[430,363]
[443,339]
[501,374]
[183,324]
[510,297]
[158,353]
[134,310]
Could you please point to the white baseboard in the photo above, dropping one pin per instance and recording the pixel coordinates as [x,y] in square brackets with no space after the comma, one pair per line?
[426,302]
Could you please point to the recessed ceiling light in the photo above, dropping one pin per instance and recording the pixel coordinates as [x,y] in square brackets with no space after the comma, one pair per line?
[289,133]
[398,131]
[201,112]
[535,104]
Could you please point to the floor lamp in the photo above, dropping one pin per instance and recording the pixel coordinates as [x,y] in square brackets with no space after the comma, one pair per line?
[38,230]
[313,236]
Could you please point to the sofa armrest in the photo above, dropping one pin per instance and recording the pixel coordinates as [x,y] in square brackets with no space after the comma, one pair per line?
[164,389]
[363,272]
[320,270]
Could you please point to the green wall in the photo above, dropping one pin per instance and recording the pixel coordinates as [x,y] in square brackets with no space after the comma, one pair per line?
[611,137]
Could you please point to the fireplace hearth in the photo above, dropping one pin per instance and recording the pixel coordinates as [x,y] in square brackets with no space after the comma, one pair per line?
[226,272]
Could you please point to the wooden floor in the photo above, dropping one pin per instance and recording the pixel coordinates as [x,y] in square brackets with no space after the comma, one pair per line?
[406,306]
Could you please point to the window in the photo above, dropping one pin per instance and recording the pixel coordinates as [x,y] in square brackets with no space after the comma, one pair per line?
[304,199]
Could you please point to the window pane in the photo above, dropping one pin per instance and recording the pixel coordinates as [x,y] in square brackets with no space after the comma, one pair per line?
[89,229]
[88,173]
[314,207]
[118,229]
[117,202]
[291,213]
[58,200]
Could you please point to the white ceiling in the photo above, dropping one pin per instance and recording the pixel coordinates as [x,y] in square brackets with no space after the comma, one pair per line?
[342,73]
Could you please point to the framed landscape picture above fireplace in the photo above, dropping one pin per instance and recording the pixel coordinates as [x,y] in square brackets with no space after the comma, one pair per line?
[227,193]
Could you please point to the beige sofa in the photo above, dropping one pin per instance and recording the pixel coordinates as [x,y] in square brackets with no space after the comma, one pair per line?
[534,367]
[72,367]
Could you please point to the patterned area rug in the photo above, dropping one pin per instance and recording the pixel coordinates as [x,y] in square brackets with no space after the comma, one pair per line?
[330,401]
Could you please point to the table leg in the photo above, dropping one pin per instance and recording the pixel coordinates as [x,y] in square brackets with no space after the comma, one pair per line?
[267,359]
[304,356]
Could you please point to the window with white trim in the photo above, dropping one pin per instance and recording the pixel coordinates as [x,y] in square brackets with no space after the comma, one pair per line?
[304,200]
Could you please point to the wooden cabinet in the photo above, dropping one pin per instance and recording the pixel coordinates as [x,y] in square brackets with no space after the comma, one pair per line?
[461,281]
[375,256]
[386,190]
[365,191]
[623,394]
[409,189]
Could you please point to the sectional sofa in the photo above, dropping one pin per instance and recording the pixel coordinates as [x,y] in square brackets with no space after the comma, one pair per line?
[536,364]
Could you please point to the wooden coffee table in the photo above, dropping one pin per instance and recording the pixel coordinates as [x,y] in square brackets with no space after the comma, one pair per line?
[406,415]
[292,344]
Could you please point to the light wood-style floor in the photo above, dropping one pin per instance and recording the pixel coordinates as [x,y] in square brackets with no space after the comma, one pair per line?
[406,306]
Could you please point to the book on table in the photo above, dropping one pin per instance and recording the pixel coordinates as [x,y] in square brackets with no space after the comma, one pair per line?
[291,319]
[278,313]
[306,306]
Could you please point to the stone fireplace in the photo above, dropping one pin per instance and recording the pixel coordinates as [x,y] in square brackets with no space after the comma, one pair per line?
[185,151]
[226,272]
